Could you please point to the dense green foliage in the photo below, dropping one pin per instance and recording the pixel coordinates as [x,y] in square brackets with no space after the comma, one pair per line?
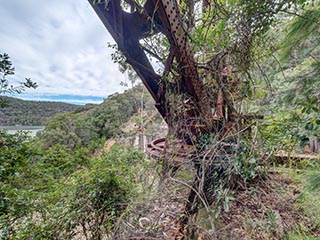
[59,193]
[101,122]
[57,186]
[292,106]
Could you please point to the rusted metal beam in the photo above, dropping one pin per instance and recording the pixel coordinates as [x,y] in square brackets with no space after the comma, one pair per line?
[157,16]
[172,27]
[127,29]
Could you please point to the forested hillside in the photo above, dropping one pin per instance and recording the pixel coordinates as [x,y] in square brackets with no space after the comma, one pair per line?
[31,113]
[68,175]
[106,120]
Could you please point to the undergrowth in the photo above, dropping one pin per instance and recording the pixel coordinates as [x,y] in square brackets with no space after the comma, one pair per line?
[308,202]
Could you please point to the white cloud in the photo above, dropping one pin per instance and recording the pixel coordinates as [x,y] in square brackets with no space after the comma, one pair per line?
[60,44]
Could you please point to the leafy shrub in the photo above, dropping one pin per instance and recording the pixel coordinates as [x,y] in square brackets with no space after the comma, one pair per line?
[105,191]
[60,193]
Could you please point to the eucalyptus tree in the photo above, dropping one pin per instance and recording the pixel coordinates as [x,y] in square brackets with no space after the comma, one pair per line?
[7,69]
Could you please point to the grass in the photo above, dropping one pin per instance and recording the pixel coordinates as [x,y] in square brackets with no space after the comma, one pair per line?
[300,236]
[307,203]
[289,202]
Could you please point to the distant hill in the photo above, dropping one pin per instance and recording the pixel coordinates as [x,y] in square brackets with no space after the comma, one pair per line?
[118,116]
[32,113]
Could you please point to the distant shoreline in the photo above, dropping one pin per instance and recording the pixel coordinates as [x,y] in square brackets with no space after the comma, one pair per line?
[31,130]
[18,127]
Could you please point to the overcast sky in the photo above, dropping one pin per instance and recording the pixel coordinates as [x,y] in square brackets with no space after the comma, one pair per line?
[61,45]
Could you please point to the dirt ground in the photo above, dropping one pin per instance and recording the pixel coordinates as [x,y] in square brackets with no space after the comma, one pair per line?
[262,210]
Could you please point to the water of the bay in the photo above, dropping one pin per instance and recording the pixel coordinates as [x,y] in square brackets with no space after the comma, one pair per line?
[32,130]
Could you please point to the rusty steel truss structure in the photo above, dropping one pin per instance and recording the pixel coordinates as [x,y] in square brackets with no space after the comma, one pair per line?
[156,16]
[128,26]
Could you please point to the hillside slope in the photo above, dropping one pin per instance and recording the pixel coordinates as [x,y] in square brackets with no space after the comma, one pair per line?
[118,116]
[31,113]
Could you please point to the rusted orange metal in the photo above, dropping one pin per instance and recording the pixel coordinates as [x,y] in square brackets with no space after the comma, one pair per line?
[163,16]
[127,29]
[155,16]
[184,55]
[178,152]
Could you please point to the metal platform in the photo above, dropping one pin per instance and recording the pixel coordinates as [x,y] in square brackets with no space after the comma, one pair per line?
[159,148]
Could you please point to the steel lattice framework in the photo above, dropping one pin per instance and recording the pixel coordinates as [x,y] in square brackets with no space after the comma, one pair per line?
[199,115]
[156,16]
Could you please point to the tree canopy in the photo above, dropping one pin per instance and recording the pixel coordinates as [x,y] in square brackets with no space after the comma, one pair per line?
[7,69]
